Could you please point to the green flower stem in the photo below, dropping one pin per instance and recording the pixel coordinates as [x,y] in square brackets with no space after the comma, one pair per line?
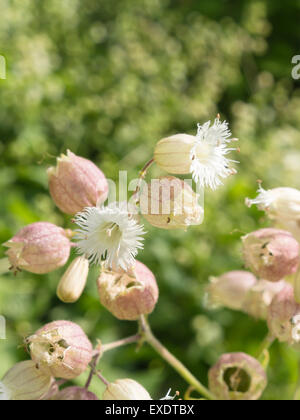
[142,176]
[104,348]
[172,360]
[93,371]
[120,343]
[102,379]
[265,345]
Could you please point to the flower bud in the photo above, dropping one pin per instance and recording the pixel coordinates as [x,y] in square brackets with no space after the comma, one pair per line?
[39,248]
[230,289]
[125,389]
[284,317]
[172,154]
[127,295]
[170,203]
[24,382]
[278,203]
[73,282]
[75,393]
[271,254]
[61,349]
[76,183]
[237,376]
[260,297]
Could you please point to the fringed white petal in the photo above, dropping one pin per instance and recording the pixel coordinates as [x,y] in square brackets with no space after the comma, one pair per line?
[263,200]
[209,164]
[110,234]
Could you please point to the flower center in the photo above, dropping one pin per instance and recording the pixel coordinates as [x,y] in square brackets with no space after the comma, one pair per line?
[110,233]
[204,152]
[48,348]
[237,379]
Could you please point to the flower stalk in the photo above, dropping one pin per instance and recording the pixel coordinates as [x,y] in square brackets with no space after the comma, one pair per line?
[172,360]
[103,349]
[142,176]
[120,343]
[265,346]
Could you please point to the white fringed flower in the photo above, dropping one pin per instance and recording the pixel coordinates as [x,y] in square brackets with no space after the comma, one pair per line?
[203,155]
[281,203]
[264,199]
[109,233]
[209,164]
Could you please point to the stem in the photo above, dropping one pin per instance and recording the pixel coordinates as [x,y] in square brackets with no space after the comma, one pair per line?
[265,345]
[175,363]
[119,343]
[93,370]
[102,379]
[61,382]
[4,265]
[142,176]
[104,348]
[93,365]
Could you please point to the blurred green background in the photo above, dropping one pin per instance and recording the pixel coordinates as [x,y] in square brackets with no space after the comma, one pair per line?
[108,79]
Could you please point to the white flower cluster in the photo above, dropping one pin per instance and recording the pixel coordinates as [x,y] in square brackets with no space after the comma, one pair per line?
[111,234]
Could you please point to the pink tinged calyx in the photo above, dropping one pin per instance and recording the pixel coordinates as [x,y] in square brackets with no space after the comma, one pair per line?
[271,254]
[128,294]
[230,289]
[39,248]
[237,376]
[75,393]
[61,349]
[76,183]
[284,317]
[260,298]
